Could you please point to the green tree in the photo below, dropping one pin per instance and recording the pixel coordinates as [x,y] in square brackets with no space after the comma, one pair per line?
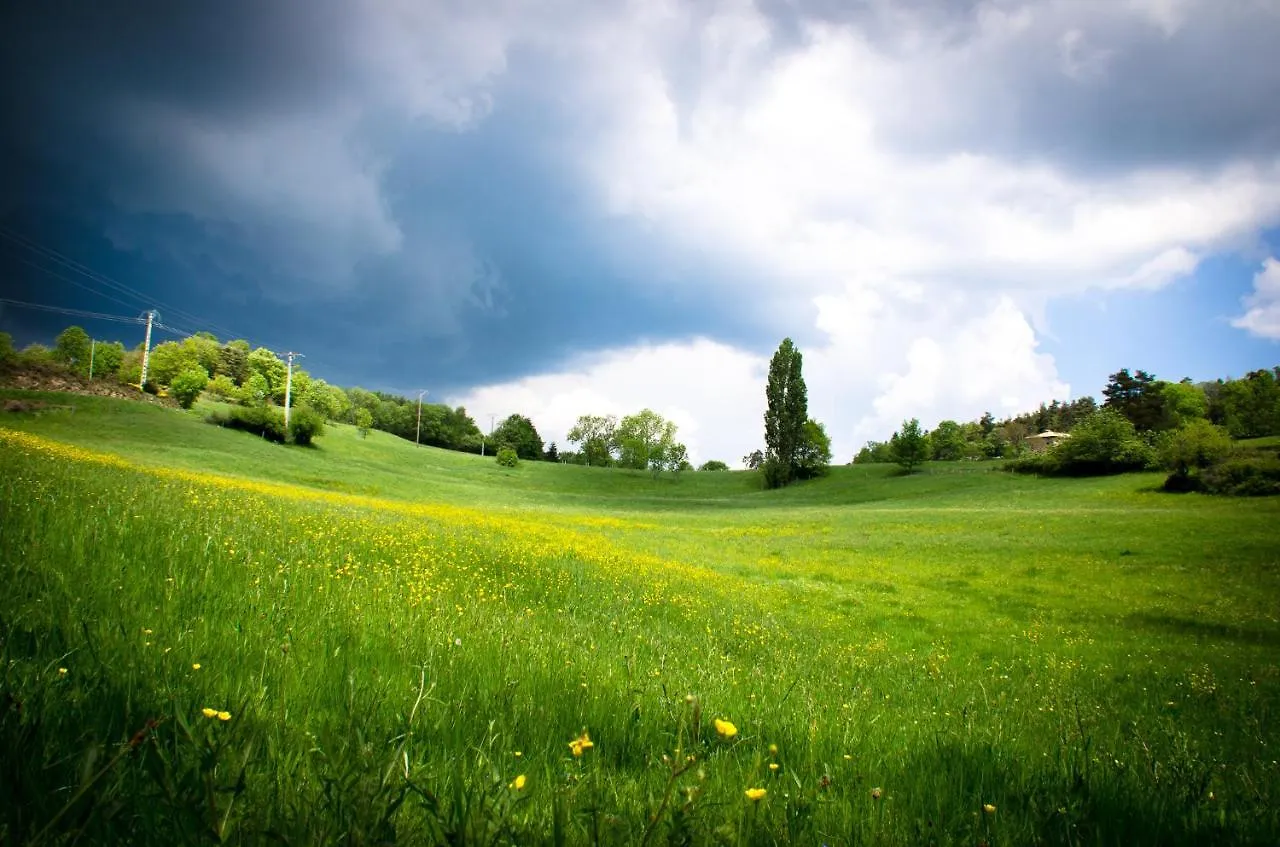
[785,415]
[107,358]
[364,421]
[507,456]
[1197,445]
[233,360]
[813,457]
[552,454]
[910,445]
[71,348]
[1184,402]
[1140,398]
[256,391]
[643,440]
[169,359]
[947,441]
[519,433]
[713,465]
[753,460]
[594,435]
[267,365]
[186,386]
[874,452]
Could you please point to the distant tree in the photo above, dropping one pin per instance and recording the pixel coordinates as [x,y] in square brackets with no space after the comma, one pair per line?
[910,445]
[170,358]
[233,360]
[1249,407]
[673,458]
[813,455]
[644,439]
[256,391]
[222,387]
[71,348]
[988,423]
[107,358]
[364,421]
[519,433]
[1138,397]
[785,415]
[552,454]
[947,441]
[713,465]
[1184,402]
[753,460]
[7,354]
[267,365]
[1197,445]
[874,452]
[186,386]
[594,435]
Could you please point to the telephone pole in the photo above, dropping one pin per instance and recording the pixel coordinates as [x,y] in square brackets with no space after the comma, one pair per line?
[288,387]
[418,435]
[146,348]
[93,346]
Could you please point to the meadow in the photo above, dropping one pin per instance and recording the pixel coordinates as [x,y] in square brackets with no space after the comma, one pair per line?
[210,638]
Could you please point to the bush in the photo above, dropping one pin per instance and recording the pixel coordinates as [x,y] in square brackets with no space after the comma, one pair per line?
[305,425]
[364,420]
[508,458]
[1199,444]
[1243,475]
[266,421]
[186,386]
[222,386]
[714,465]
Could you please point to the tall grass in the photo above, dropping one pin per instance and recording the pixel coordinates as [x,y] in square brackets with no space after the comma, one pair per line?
[380,671]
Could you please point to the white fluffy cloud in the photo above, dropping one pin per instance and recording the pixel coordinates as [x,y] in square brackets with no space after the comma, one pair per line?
[918,274]
[1263,315]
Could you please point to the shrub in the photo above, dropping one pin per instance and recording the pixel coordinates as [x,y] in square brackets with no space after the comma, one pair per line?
[186,386]
[1243,475]
[222,386]
[266,421]
[507,457]
[364,420]
[305,425]
[7,354]
[714,465]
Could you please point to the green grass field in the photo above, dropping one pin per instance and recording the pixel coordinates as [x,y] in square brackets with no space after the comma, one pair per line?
[400,644]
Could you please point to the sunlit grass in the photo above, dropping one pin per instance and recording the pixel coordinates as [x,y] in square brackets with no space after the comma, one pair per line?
[1027,662]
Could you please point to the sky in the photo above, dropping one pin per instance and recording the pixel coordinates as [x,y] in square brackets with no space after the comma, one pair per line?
[558,208]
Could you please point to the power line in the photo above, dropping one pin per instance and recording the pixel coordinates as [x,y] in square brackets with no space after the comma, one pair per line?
[101,278]
[79,313]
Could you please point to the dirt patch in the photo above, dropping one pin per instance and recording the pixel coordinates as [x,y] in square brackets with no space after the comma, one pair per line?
[27,380]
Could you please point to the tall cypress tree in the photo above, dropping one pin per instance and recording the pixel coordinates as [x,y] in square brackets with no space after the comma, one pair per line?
[785,416]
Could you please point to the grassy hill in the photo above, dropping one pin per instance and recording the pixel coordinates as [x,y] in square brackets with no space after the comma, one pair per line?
[397,634]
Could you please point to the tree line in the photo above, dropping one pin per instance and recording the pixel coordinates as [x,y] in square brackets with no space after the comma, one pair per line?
[1248,407]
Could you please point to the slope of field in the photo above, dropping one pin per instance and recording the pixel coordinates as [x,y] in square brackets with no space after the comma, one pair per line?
[406,641]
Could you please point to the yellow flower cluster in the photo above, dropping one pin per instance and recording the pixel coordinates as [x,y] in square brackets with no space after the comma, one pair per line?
[215,713]
[581,743]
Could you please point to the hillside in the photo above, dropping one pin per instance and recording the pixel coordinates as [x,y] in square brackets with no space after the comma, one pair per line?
[1092,659]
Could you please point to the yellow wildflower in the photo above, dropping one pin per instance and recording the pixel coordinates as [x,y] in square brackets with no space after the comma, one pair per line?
[209,713]
[518,782]
[989,808]
[773,749]
[581,743]
[196,666]
[62,671]
[726,729]
[224,716]
[773,766]
[756,793]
